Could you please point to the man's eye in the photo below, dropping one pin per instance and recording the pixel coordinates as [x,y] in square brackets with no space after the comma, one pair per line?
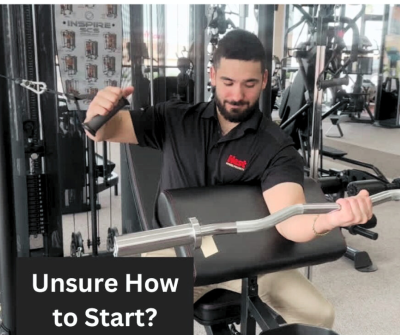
[228,83]
[250,85]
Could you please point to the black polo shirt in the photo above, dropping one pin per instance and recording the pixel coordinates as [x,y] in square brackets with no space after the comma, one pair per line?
[195,154]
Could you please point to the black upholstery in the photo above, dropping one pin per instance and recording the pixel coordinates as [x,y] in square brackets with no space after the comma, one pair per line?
[218,306]
[283,111]
[144,175]
[292,100]
[332,152]
[247,254]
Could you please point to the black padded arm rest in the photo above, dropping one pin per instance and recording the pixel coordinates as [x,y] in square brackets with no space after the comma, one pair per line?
[243,255]
[332,152]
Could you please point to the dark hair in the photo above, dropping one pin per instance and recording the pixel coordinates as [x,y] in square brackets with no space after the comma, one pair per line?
[241,45]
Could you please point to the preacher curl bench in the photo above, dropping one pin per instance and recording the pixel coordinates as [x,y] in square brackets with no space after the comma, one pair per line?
[243,256]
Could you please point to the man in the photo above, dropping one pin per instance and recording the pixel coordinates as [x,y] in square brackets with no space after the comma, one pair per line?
[227,141]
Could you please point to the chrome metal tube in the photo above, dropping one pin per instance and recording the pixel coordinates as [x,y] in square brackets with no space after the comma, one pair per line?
[151,240]
[380,198]
[242,16]
[199,52]
[317,115]
[219,228]
[269,221]
[320,208]
[286,213]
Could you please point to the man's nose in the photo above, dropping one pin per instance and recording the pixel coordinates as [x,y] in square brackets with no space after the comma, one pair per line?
[237,93]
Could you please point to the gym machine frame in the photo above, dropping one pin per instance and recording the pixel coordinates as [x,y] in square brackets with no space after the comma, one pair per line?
[29,142]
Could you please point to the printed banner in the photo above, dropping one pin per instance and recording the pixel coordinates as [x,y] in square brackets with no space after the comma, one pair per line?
[96,296]
[89,46]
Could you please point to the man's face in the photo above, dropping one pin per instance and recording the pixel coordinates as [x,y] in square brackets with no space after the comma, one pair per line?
[238,85]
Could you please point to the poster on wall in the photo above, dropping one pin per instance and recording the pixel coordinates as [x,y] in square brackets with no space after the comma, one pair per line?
[89,47]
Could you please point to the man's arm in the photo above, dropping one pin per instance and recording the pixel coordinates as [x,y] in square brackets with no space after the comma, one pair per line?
[120,127]
[299,228]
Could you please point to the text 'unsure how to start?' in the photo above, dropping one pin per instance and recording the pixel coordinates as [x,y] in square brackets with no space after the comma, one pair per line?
[101,317]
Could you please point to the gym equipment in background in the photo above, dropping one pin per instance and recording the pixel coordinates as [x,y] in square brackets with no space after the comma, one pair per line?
[296,113]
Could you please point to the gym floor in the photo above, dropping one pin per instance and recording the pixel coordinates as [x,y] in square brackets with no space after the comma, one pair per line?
[366,303]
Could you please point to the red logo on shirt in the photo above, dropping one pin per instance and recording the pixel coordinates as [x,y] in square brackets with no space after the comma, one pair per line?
[236,163]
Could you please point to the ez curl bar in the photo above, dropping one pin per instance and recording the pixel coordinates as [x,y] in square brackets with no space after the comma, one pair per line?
[192,233]
[208,311]
[252,310]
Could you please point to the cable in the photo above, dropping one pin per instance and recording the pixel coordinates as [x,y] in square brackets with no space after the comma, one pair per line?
[87,196]
[109,150]
[39,87]
[96,194]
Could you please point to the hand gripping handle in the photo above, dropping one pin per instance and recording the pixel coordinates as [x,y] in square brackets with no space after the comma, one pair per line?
[99,120]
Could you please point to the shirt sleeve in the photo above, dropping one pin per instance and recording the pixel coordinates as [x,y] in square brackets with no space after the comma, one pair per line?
[149,124]
[286,166]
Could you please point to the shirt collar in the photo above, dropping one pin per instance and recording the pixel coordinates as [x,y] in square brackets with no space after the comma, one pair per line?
[210,111]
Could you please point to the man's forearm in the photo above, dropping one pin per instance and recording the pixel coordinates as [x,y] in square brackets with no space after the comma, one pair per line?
[120,129]
[300,228]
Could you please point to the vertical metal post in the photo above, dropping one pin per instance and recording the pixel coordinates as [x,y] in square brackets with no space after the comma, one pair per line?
[385,30]
[93,194]
[129,203]
[12,65]
[105,161]
[207,94]
[161,45]
[151,54]
[317,105]
[342,14]
[398,112]
[8,241]
[285,45]
[199,46]
[39,115]
[363,22]
[266,14]
[37,72]
[140,97]
[317,113]
[242,16]
[46,46]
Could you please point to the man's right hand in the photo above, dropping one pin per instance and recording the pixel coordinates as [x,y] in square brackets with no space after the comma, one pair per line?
[102,104]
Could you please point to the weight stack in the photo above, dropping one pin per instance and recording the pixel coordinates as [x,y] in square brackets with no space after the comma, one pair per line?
[37,211]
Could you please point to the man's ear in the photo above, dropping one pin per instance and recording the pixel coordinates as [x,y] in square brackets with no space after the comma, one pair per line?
[265,79]
[213,75]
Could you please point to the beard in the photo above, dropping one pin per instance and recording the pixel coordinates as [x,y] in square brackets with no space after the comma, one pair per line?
[236,115]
